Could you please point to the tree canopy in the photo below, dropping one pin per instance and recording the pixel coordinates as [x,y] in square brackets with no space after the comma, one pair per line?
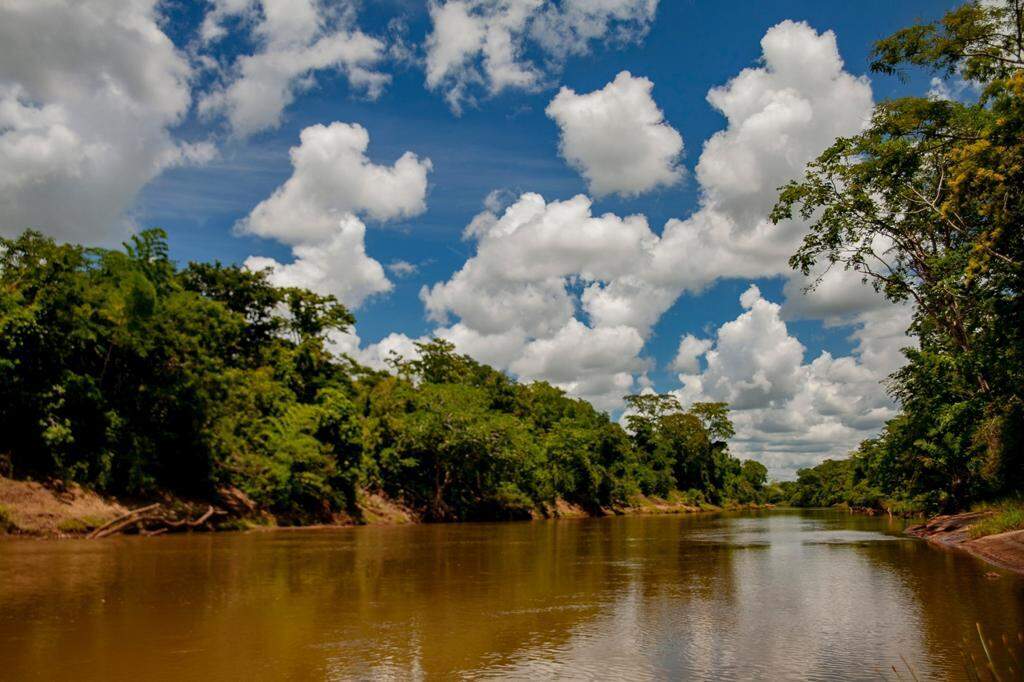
[121,371]
[927,205]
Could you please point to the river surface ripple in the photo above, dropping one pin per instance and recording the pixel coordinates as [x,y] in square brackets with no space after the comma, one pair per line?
[781,594]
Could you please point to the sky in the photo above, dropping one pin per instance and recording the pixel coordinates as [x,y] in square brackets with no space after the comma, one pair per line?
[573,191]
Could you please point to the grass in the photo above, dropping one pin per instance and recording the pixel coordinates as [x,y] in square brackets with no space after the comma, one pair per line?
[79,525]
[1006,516]
[7,524]
[990,661]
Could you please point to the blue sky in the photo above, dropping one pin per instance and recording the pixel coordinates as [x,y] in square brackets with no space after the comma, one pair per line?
[499,141]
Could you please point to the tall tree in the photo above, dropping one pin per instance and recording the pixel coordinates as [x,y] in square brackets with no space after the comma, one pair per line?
[927,205]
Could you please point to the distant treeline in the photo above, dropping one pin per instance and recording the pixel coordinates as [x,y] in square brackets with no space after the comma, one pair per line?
[122,372]
[927,204]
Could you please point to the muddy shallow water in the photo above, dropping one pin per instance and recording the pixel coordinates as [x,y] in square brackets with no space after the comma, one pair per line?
[783,594]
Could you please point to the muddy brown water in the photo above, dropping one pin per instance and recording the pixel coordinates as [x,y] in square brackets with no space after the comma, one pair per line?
[783,594]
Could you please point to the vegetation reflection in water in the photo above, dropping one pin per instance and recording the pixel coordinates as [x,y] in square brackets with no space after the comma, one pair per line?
[785,594]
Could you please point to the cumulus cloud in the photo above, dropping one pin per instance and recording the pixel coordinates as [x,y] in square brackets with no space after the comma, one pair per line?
[516,299]
[315,211]
[597,364]
[479,45]
[754,361]
[337,265]
[780,116]
[332,177]
[570,296]
[375,355]
[538,264]
[84,122]
[617,137]
[295,39]
[524,258]
[687,359]
[790,413]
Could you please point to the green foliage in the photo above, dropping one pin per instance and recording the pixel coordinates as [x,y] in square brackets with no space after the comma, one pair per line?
[79,526]
[1007,515]
[824,485]
[926,204]
[686,450]
[7,524]
[979,41]
[122,372]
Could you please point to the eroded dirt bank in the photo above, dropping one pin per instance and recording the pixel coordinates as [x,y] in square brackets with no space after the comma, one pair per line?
[30,508]
[57,510]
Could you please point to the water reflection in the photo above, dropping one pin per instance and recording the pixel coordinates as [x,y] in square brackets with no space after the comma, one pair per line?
[785,595]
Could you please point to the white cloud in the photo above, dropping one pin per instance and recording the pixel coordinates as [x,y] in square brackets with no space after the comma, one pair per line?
[402,268]
[597,364]
[554,292]
[523,261]
[540,266]
[295,40]
[480,44]
[780,116]
[498,350]
[337,266]
[754,361]
[516,299]
[687,359]
[332,177]
[617,137]
[570,28]
[789,414]
[315,210]
[375,355]
[837,296]
[880,335]
[84,121]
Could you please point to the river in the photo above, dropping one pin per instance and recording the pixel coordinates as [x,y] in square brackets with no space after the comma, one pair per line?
[783,594]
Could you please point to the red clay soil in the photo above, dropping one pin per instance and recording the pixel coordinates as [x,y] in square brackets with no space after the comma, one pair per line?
[1005,550]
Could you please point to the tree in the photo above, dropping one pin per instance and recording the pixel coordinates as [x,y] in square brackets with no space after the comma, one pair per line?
[926,204]
[715,418]
[124,373]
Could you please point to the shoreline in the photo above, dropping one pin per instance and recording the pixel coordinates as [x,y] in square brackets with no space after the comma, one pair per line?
[32,510]
[951,531]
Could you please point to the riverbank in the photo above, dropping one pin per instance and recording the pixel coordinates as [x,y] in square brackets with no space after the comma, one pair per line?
[58,510]
[1005,550]
[29,508]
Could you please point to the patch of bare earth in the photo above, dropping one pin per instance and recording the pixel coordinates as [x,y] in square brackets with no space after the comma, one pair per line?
[656,505]
[567,510]
[34,509]
[1005,550]
[378,510]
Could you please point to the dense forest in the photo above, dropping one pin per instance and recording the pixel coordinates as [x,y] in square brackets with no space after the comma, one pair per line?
[124,373]
[128,374]
[927,204]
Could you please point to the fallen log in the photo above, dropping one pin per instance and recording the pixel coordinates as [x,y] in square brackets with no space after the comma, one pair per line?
[121,521]
[153,520]
[185,523]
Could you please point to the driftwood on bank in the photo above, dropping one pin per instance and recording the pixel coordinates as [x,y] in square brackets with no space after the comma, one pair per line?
[153,519]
